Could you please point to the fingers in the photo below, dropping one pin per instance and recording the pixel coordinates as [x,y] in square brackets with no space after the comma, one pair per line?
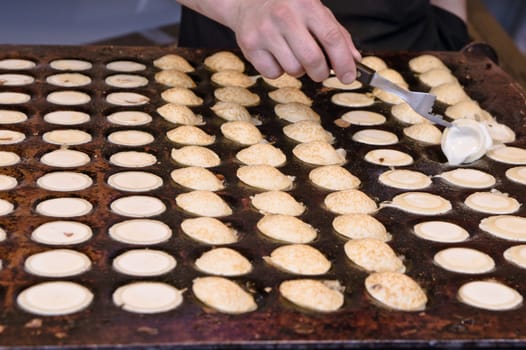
[296,37]
[337,44]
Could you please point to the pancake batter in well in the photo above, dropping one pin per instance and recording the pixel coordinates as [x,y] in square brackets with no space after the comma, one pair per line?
[421,203]
[68,98]
[64,181]
[70,64]
[55,298]
[388,157]
[517,174]
[224,60]
[144,262]
[68,80]
[493,202]
[132,138]
[12,117]
[405,179]
[373,255]
[129,118]
[66,207]
[262,153]
[277,202]
[126,81]
[242,132]
[127,99]
[7,182]
[190,135]
[147,297]
[375,137]
[66,117]
[322,296]
[180,114]
[6,207]
[135,181]
[13,98]
[294,112]
[449,93]
[290,95]
[239,95]
[423,63]
[16,79]
[374,62]
[195,156]
[203,203]
[286,228]
[8,158]
[57,263]
[516,255]
[284,80]
[468,178]
[231,111]
[500,133]
[197,178]
[232,78]
[175,78]
[365,118]
[319,153]
[67,137]
[125,66]
[140,232]
[424,132]
[335,83]
[437,76]
[441,231]
[62,233]
[359,226]
[489,295]
[509,227]
[173,61]
[223,262]
[352,99]
[464,260]
[65,158]
[404,113]
[264,177]
[334,178]
[307,131]
[16,64]
[468,109]
[299,259]
[223,295]
[508,155]
[133,159]
[138,206]
[396,291]
[209,231]
[181,96]
[350,202]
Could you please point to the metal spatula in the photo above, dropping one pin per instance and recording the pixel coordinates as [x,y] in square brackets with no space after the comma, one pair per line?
[421,102]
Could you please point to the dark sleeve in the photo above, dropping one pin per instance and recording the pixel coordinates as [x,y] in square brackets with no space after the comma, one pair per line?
[198,31]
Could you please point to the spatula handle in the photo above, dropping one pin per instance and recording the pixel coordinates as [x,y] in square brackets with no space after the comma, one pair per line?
[364,74]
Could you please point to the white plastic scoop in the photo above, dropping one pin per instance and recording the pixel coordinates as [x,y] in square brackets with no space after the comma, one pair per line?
[465,141]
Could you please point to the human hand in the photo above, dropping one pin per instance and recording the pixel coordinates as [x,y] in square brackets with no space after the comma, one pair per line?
[293,36]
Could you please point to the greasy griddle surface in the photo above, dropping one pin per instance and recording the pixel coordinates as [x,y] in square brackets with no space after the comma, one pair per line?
[276,322]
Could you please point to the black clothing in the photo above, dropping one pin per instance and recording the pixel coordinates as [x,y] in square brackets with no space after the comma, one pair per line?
[374,25]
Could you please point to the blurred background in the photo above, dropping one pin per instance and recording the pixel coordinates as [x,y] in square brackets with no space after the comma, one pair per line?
[142,22]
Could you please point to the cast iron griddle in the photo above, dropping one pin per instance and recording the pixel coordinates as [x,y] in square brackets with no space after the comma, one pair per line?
[276,323]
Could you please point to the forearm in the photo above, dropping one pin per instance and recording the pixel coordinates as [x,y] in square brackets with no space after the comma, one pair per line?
[456,7]
[221,11]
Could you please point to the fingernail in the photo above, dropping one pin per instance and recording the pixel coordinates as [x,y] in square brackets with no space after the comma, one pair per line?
[348,78]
